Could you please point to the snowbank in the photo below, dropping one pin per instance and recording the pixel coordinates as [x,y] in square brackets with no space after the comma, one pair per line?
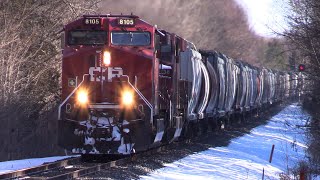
[247,156]
[8,166]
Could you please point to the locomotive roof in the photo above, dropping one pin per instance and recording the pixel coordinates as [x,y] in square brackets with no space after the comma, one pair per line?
[112,15]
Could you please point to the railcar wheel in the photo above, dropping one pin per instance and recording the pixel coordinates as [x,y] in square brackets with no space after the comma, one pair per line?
[220,124]
[203,126]
[213,124]
[244,117]
[238,118]
[195,129]
[227,122]
[86,157]
[190,130]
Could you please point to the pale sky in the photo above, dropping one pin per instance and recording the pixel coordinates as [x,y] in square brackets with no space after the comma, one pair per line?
[266,16]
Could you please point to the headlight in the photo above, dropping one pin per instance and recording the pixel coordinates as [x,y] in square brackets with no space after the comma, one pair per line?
[106,58]
[127,98]
[82,97]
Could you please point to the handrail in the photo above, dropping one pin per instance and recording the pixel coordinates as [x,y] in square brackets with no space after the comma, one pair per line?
[75,89]
[142,97]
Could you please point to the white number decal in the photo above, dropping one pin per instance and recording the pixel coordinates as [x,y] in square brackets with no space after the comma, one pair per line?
[126,22]
[92,21]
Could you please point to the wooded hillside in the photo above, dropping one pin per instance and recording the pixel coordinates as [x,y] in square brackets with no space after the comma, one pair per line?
[220,25]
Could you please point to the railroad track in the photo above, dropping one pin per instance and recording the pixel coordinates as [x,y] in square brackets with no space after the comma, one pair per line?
[72,168]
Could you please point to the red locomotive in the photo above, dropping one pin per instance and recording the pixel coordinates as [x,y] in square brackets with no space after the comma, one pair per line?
[128,86]
[112,99]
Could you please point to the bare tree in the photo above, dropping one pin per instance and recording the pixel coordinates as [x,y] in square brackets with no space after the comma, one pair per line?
[304,31]
[30,69]
[304,39]
[30,45]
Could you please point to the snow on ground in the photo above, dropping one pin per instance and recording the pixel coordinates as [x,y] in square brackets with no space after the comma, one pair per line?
[246,157]
[8,166]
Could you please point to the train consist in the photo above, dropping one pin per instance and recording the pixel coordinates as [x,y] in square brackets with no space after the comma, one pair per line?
[128,86]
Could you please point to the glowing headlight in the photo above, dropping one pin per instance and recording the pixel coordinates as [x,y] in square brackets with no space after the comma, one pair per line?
[106,58]
[127,98]
[82,97]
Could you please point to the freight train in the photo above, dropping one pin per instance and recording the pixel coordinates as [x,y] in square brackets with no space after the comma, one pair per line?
[128,86]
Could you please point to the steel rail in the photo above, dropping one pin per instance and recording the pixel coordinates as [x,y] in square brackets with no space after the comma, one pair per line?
[39,169]
[90,170]
[72,168]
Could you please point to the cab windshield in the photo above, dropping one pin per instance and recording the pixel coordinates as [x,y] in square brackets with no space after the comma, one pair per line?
[87,37]
[131,38]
